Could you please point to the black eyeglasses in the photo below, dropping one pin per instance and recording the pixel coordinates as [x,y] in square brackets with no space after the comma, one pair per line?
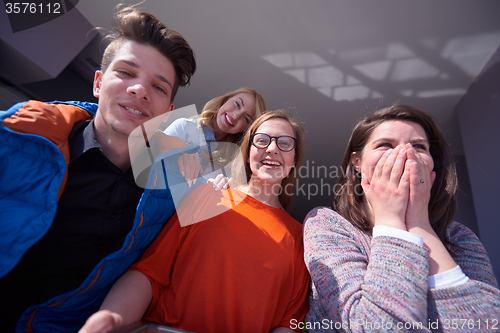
[284,143]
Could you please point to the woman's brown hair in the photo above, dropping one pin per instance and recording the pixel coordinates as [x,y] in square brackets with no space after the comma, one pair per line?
[348,198]
[288,183]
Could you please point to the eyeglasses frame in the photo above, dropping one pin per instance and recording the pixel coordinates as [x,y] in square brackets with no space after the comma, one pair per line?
[275,140]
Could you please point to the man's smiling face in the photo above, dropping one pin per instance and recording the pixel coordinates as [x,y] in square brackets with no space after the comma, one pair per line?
[136,87]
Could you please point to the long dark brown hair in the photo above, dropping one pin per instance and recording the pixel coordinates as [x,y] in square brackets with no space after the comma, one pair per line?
[348,198]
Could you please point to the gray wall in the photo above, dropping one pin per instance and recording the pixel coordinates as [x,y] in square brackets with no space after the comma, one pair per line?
[479,117]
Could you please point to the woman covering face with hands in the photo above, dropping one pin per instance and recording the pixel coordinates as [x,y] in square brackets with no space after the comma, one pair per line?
[395,171]
[388,255]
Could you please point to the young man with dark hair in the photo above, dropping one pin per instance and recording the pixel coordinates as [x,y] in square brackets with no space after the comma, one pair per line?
[71,215]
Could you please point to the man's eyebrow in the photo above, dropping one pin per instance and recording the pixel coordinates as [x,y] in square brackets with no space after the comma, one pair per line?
[128,62]
[158,76]
[164,79]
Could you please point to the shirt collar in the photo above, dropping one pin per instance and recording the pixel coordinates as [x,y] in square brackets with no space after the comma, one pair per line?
[82,138]
[209,134]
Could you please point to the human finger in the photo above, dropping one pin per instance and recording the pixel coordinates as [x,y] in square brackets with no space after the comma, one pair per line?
[196,168]
[422,172]
[189,169]
[378,171]
[421,180]
[102,321]
[398,158]
[180,166]
[417,213]
[404,184]
[365,183]
[192,168]
[184,165]
[223,182]
[219,182]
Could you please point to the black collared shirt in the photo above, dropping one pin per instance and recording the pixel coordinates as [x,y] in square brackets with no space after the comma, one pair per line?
[94,214]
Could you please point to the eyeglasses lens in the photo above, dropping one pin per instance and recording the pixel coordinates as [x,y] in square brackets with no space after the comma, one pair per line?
[284,143]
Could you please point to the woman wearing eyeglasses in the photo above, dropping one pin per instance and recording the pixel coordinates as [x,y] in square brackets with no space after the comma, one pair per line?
[230,261]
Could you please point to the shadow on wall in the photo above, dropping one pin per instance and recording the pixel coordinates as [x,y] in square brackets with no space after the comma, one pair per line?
[353,74]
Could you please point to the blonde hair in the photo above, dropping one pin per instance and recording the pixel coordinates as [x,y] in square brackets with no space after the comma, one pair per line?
[209,113]
[222,155]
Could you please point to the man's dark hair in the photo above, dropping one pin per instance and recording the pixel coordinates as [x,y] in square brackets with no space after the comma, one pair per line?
[144,28]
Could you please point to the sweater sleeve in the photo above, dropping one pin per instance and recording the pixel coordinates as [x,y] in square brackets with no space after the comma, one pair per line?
[362,289]
[380,284]
[476,302]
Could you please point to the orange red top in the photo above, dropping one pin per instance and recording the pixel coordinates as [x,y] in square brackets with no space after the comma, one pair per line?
[236,266]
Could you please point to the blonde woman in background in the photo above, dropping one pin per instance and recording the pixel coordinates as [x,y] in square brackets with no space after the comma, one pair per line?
[223,119]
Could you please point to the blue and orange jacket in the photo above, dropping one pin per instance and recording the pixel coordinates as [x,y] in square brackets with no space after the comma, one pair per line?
[33,169]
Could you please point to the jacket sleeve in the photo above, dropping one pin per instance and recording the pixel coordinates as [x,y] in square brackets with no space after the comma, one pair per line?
[51,121]
[32,173]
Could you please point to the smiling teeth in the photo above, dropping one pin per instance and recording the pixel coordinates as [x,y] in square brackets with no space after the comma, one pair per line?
[229,120]
[271,163]
[134,111]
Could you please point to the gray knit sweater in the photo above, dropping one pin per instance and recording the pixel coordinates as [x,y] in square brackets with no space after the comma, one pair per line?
[360,284]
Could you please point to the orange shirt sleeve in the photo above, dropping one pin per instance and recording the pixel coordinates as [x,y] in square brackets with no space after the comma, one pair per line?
[158,262]
[159,259]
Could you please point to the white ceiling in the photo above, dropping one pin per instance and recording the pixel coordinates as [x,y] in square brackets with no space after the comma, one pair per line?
[330,61]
